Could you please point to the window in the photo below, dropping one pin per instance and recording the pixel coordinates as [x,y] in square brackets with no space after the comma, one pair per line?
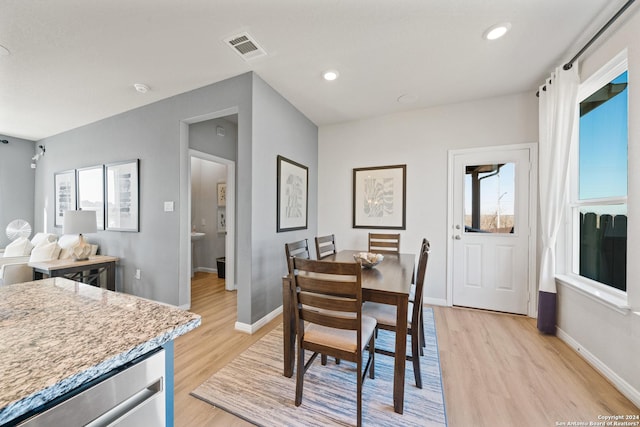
[599,190]
[490,198]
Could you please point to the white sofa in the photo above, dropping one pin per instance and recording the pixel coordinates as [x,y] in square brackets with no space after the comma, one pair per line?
[14,266]
[14,270]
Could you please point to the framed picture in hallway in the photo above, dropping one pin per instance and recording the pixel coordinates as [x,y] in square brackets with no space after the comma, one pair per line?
[379,197]
[64,194]
[292,197]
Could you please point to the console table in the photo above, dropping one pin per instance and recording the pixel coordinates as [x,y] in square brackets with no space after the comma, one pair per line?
[87,271]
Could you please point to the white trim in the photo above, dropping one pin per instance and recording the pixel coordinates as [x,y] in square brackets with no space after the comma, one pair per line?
[250,329]
[532,309]
[436,301]
[624,387]
[595,292]
[206,270]
[612,69]
[570,266]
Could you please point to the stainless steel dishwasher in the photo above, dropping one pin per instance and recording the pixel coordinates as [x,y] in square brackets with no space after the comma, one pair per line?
[132,397]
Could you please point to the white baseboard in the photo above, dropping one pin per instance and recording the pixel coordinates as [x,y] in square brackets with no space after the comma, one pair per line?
[206,270]
[435,301]
[250,329]
[624,387]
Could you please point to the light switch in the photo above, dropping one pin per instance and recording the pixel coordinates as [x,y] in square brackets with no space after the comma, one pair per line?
[168,206]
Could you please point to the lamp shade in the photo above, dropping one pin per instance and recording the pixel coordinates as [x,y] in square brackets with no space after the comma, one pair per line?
[79,222]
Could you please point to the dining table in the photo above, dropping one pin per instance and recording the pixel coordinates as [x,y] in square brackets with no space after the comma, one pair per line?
[389,282]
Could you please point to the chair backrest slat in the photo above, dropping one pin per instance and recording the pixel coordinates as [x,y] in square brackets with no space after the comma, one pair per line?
[384,243]
[325,303]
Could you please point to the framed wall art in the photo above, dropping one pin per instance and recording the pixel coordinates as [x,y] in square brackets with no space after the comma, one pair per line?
[91,192]
[222,194]
[123,196]
[292,200]
[64,194]
[379,197]
[222,220]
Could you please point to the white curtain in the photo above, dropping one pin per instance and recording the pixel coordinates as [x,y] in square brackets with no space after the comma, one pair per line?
[557,116]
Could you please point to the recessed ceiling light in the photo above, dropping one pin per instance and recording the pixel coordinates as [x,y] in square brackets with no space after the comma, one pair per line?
[4,51]
[141,87]
[497,31]
[330,75]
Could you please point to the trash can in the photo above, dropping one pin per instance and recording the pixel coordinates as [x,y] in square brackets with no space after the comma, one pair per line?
[220,261]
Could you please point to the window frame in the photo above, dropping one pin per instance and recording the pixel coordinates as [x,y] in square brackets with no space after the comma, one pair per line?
[599,291]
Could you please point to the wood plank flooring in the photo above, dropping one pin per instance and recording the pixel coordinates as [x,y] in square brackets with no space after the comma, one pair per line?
[497,369]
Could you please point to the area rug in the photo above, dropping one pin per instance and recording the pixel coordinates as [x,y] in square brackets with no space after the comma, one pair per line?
[253,388]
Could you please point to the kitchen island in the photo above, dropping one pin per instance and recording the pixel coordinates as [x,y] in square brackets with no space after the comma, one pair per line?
[57,336]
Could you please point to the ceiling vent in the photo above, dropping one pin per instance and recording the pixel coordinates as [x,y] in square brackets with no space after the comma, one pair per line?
[245,46]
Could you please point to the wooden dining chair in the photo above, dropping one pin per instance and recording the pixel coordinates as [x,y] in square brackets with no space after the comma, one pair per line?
[325,246]
[329,320]
[412,295]
[385,316]
[384,243]
[300,249]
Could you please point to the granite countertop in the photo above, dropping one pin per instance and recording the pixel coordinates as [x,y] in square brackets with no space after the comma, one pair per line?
[56,334]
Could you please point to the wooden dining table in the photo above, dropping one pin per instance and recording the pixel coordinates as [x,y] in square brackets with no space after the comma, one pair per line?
[389,283]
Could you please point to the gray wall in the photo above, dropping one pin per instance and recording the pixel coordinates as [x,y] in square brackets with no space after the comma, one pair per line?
[203,137]
[278,128]
[268,125]
[16,184]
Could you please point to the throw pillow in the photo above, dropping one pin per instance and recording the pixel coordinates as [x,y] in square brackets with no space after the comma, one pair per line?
[19,247]
[43,238]
[45,252]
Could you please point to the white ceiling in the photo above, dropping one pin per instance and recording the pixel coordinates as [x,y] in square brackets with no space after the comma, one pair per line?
[73,62]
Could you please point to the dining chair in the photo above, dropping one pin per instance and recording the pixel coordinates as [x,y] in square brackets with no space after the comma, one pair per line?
[325,246]
[385,315]
[300,249]
[384,243]
[329,320]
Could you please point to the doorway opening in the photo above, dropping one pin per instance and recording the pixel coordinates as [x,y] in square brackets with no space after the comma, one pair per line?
[209,217]
[207,213]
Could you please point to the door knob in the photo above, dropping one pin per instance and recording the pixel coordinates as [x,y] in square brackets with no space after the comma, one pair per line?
[457,237]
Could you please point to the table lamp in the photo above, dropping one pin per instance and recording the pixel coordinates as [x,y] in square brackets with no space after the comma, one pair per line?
[80,222]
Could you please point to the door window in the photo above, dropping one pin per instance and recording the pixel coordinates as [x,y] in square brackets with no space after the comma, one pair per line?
[490,198]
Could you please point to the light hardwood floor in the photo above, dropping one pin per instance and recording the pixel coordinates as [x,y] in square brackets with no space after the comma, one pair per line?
[497,369]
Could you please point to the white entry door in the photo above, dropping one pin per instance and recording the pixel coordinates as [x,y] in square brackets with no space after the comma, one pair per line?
[490,228]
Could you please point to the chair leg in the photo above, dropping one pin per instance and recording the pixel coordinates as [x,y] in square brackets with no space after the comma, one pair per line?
[359,388]
[337,361]
[323,359]
[372,355]
[423,343]
[416,349]
[299,376]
